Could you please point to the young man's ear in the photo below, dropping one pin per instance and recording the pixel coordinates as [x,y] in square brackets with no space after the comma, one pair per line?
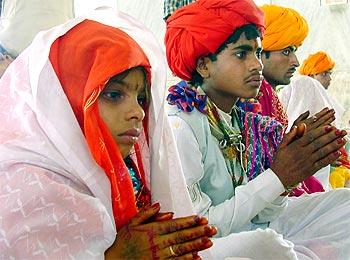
[202,67]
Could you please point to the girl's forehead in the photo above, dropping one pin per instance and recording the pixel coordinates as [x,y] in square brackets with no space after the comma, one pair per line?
[134,80]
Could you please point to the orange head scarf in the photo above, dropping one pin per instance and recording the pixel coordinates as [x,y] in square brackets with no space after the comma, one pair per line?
[200,28]
[317,63]
[84,59]
[284,27]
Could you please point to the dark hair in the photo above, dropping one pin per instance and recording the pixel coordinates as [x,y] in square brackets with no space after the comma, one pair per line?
[250,31]
[266,53]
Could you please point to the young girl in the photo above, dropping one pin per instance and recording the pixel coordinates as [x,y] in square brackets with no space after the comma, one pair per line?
[78,112]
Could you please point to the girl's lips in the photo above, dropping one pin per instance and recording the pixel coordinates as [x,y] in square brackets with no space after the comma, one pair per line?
[129,137]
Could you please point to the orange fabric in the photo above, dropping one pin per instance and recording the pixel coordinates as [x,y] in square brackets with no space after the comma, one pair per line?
[284,27]
[316,63]
[200,28]
[84,59]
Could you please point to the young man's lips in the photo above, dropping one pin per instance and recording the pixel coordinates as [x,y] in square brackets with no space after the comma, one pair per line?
[255,78]
[255,81]
[290,73]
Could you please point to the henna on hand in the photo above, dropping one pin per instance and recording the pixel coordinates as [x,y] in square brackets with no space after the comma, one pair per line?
[154,235]
[297,159]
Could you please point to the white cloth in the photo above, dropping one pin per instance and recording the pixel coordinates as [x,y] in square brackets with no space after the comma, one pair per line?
[55,200]
[305,93]
[212,194]
[312,226]
[21,20]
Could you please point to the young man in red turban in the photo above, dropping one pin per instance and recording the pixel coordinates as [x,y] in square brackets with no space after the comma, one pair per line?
[237,169]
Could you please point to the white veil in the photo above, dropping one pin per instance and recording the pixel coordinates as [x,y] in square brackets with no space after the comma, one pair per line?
[55,199]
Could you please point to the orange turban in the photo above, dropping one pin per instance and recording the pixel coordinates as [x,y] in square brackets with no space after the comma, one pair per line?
[84,59]
[284,27]
[200,28]
[317,63]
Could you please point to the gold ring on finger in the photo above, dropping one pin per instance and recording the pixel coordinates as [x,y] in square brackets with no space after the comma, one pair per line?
[172,252]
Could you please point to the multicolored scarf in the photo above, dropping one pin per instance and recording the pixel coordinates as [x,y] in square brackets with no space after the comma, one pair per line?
[261,134]
[266,103]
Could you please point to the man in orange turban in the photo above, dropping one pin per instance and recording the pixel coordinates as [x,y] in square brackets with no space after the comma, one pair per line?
[318,66]
[285,31]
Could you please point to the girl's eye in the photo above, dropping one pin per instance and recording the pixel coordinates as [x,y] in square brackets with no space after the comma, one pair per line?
[241,54]
[142,100]
[112,95]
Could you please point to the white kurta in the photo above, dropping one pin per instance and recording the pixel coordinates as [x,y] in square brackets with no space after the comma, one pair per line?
[313,226]
[307,94]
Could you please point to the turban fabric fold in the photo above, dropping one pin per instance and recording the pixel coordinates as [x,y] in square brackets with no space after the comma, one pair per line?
[200,28]
[317,63]
[284,27]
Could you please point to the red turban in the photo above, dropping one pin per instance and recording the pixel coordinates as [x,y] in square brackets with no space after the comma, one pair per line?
[200,28]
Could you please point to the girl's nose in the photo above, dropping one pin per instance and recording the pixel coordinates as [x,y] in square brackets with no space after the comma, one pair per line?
[135,111]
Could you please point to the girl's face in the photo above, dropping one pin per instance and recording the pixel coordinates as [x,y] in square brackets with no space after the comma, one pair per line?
[121,107]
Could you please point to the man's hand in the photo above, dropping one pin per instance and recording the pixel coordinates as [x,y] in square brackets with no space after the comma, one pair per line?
[299,157]
[324,117]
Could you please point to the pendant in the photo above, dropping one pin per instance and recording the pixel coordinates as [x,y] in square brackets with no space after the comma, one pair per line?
[230,152]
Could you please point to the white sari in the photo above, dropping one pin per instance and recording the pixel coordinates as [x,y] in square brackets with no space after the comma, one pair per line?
[55,200]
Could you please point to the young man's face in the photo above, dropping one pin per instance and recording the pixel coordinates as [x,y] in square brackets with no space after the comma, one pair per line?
[324,78]
[236,73]
[280,66]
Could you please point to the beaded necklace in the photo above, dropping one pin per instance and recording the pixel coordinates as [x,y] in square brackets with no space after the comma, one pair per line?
[141,192]
[230,140]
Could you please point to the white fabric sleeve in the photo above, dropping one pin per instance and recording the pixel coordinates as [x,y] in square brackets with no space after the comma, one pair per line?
[257,196]
[257,244]
[42,216]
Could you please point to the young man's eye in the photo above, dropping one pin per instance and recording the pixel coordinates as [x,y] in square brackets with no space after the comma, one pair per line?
[241,54]
[112,95]
[286,52]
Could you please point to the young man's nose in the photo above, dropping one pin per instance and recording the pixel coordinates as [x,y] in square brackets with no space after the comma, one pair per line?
[294,60]
[256,64]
